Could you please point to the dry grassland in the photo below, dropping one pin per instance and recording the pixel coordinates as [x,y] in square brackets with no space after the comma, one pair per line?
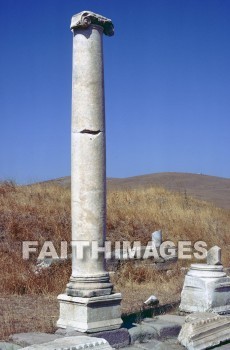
[42,212]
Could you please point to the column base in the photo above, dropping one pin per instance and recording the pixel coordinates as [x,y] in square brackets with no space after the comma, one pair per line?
[90,315]
[206,289]
[89,286]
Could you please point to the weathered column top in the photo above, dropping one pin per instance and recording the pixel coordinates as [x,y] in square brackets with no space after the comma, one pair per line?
[85,18]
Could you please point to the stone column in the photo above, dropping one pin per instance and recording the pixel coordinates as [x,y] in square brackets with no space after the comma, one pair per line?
[89,277]
[89,285]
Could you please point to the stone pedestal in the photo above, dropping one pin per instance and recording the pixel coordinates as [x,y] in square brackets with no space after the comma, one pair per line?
[89,305]
[206,288]
[90,315]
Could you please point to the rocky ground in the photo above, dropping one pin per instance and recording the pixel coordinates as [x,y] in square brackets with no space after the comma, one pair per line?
[158,333]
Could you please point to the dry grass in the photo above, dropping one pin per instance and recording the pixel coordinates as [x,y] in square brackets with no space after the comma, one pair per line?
[134,214]
[27,314]
[137,283]
[33,213]
[42,212]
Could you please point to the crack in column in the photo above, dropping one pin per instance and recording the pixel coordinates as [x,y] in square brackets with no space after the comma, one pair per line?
[91,132]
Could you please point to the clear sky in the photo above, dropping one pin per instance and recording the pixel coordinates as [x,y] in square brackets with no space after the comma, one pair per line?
[167,87]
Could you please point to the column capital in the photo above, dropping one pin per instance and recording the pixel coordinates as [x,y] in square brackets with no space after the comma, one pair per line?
[85,18]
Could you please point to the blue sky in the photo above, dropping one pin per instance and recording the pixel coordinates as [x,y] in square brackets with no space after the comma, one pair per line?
[167,87]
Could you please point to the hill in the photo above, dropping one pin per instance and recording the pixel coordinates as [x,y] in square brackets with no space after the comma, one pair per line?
[209,188]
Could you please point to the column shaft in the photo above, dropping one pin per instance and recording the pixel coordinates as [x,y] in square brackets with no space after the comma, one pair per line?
[89,277]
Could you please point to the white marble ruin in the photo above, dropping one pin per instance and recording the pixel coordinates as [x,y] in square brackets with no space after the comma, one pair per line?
[203,330]
[157,238]
[73,343]
[151,300]
[214,256]
[206,287]
[89,304]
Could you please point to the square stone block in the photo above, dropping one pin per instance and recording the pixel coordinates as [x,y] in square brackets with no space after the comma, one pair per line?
[206,289]
[90,315]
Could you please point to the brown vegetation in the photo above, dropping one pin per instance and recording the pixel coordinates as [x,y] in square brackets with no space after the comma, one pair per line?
[205,187]
[42,212]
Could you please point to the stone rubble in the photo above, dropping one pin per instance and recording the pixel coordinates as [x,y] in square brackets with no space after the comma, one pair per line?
[9,346]
[214,256]
[27,339]
[204,330]
[157,238]
[158,333]
[73,343]
[151,300]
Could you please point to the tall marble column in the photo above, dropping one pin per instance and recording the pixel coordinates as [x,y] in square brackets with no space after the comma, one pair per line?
[89,291]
